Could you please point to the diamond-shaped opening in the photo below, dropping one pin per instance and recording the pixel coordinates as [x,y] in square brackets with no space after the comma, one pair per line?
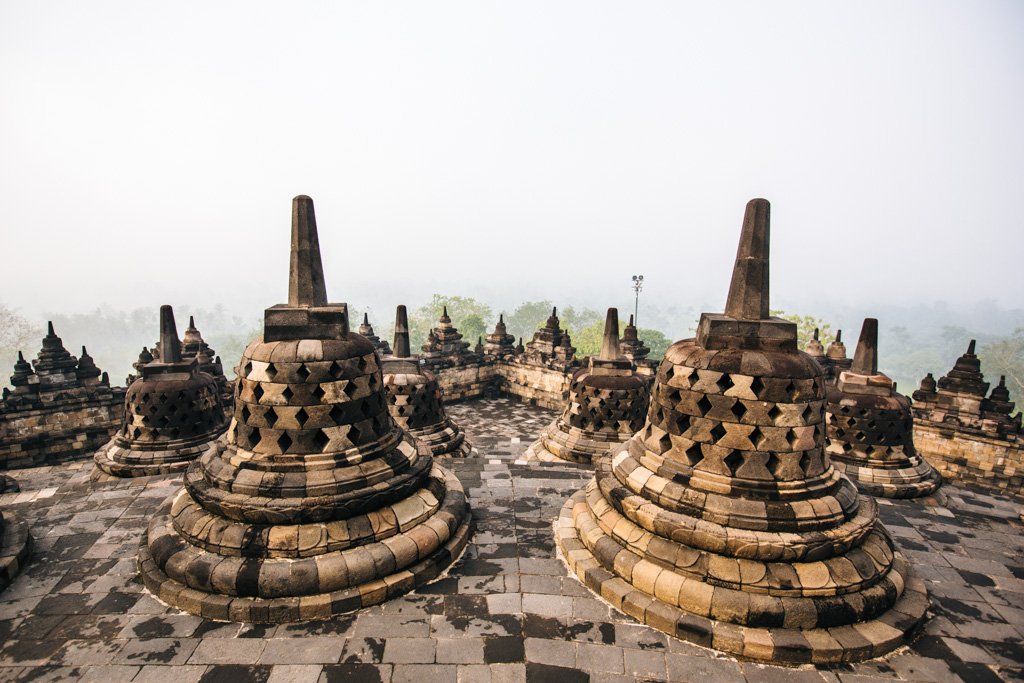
[791,389]
[247,369]
[271,370]
[806,412]
[694,454]
[756,385]
[733,461]
[336,370]
[805,462]
[774,412]
[365,408]
[257,392]
[664,443]
[845,410]
[337,413]
[791,438]
[302,417]
[320,440]
[354,434]
[670,373]
[284,442]
[755,437]
[164,420]
[860,436]
[682,422]
[872,424]
[704,405]
[318,392]
[362,364]
[162,398]
[145,398]
[718,431]
[772,464]
[847,446]
[181,395]
[287,393]
[724,383]
[303,372]
[145,420]
[739,410]
[863,412]
[840,433]
[271,417]
[694,378]
[136,433]
[350,388]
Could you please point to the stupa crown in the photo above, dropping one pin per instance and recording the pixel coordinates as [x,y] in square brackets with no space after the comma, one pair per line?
[966,376]
[837,349]
[610,360]
[747,323]
[87,369]
[865,357]
[307,315]
[170,360]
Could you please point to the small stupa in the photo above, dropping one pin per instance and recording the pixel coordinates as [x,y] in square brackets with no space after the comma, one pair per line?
[366,329]
[551,346]
[607,405]
[500,343]
[414,397]
[870,433]
[316,503]
[171,414]
[722,521]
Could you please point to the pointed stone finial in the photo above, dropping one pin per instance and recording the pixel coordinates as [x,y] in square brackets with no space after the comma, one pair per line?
[865,358]
[501,318]
[816,334]
[402,349]
[839,337]
[748,292]
[366,318]
[21,357]
[192,322]
[631,320]
[610,343]
[970,348]
[554,311]
[306,286]
[444,311]
[49,329]
[170,345]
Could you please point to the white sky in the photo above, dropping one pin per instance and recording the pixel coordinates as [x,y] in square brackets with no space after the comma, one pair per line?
[509,151]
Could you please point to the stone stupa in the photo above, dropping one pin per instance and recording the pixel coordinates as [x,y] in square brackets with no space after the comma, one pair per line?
[607,404]
[870,433]
[316,503]
[366,329]
[414,397]
[722,522]
[171,414]
[835,359]
[500,343]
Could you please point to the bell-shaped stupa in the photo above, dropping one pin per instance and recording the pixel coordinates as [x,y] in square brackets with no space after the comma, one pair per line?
[414,397]
[316,502]
[171,414]
[722,521]
[870,432]
[607,404]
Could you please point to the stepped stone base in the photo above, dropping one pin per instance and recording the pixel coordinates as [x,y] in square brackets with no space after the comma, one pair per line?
[646,600]
[959,455]
[909,482]
[15,548]
[334,567]
[562,443]
[115,462]
[444,438]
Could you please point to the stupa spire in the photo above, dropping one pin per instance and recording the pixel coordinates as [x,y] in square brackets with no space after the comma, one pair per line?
[170,345]
[306,286]
[748,292]
[865,358]
[401,333]
[610,343]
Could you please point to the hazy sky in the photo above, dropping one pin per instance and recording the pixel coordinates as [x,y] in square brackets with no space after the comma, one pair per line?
[520,150]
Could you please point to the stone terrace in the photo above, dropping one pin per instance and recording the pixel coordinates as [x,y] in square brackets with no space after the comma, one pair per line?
[506,612]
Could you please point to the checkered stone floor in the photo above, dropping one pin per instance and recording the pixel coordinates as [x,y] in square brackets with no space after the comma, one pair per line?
[506,612]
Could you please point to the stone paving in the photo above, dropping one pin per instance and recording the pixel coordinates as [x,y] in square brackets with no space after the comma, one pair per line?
[507,611]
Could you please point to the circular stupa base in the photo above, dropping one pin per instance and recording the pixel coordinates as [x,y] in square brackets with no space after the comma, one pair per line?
[228,587]
[788,646]
[8,484]
[444,438]
[15,548]
[910,482]
[558,443]
[116,462]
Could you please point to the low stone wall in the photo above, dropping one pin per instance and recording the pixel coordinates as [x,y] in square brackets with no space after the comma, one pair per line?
[972,458]
[58,432]
[463,382]
[534,384]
